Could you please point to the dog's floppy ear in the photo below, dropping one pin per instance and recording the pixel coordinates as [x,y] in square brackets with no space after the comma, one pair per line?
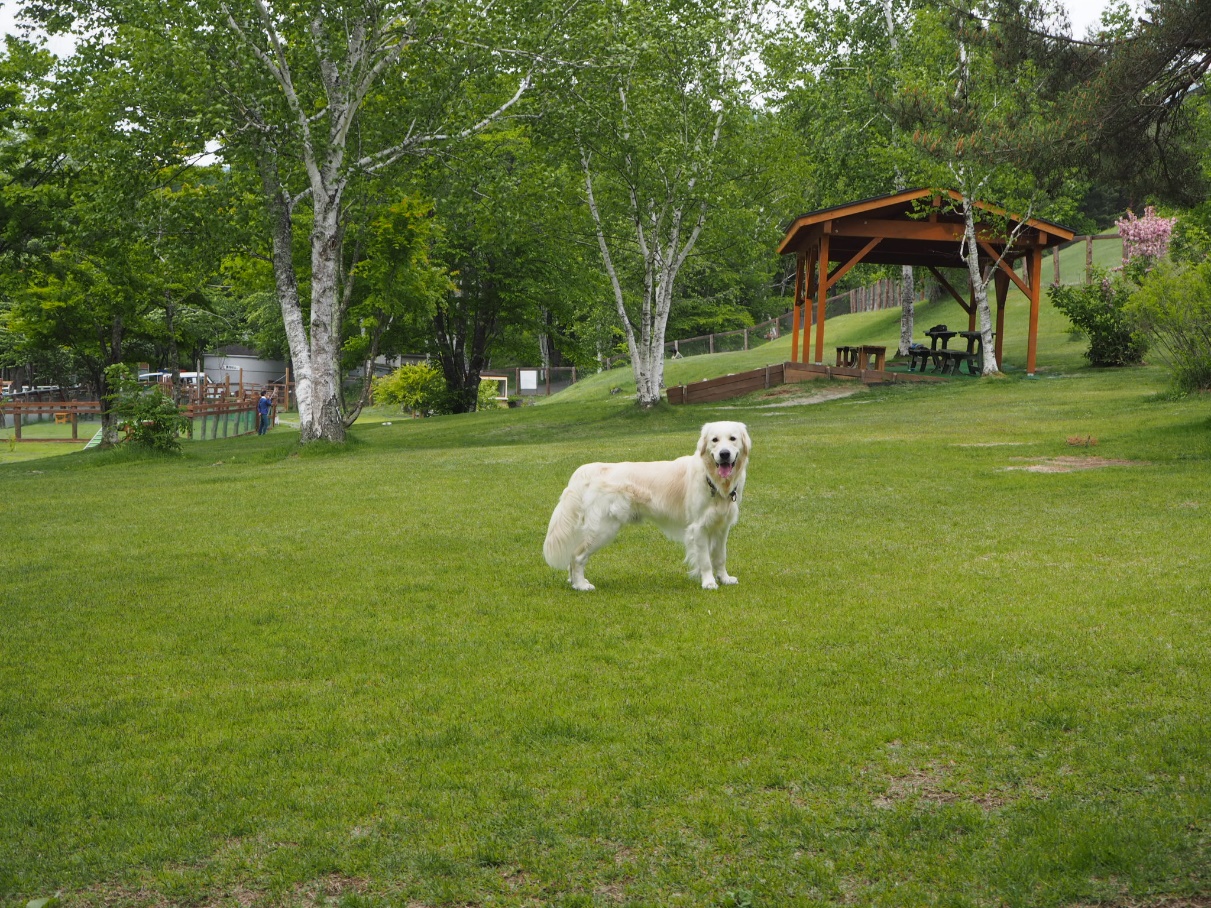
[702,439]
[745,440]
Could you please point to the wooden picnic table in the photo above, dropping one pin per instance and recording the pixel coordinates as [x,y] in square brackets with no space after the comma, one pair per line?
[860,357]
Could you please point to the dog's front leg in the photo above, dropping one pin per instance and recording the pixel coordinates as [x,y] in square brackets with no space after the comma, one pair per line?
[698,554]
[719,558]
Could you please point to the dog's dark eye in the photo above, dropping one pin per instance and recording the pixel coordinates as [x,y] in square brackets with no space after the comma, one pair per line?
[714,439]
[733,438]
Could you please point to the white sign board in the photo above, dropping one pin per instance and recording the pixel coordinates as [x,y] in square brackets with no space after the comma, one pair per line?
[529,379]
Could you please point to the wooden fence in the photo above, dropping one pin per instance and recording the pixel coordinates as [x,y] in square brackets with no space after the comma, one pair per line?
[217,418]
[63,412]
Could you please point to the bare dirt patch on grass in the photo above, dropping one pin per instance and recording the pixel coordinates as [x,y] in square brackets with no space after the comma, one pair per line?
[1163,901]
[805,394]
[929,786]
[1073,464]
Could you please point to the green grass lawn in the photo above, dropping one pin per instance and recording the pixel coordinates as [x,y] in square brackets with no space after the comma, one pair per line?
[258,676]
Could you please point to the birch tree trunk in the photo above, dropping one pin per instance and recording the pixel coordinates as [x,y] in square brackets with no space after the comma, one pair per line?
[323,98]
[907,295]
[971,255]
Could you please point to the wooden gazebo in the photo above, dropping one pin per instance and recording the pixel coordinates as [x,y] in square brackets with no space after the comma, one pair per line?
[913,228]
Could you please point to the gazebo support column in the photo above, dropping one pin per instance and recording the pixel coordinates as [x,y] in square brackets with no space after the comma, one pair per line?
[1036,286]
[800,268]
[821,296]
[1002,283]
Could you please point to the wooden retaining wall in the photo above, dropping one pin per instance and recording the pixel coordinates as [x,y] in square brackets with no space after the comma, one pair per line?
[737,385]
[728,386]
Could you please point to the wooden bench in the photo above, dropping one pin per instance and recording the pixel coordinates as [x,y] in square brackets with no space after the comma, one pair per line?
[867,352]
[847,356]
[919,354]
[62,419]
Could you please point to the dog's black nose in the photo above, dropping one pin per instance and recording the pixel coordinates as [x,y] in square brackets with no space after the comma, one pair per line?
[725,456]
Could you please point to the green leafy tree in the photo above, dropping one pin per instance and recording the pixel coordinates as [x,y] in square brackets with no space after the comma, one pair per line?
[503,207]
[654,124]
[316,99]
[1173,307]
[400,285]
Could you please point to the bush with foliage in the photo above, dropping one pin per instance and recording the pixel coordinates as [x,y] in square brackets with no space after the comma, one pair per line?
[418,387]
[1173,305]
[150,418]
[488,390]
[1099,310]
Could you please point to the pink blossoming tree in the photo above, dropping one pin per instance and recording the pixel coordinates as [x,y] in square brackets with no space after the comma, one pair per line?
[1145,238]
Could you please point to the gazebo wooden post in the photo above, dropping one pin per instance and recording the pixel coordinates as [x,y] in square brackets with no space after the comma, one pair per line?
[1002,283]
[1036,281]
[811,292]
[800,269]
[821,293]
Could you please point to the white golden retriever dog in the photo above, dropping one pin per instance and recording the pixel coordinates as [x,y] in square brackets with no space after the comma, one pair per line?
[694,500]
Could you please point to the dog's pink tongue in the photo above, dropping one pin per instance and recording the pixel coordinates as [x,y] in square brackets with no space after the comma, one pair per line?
[725,470]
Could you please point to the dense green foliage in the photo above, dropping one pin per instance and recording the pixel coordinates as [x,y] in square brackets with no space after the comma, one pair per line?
[149,417]
[416,387]
[1099,309]
[1173,306]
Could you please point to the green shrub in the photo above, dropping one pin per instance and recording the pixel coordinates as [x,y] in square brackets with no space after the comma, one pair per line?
[488,390]
[1099,310]
[419,388]
[150,418]
[1173,305]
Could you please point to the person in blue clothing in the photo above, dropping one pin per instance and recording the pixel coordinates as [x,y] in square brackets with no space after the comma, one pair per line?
[262,408]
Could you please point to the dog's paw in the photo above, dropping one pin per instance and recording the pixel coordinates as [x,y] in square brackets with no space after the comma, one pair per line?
[709,583]
[584,586]
[728,580]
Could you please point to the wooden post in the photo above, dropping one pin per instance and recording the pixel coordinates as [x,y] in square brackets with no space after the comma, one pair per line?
[1002,284]
[286,390]
[1055,261]
[800,268]
[746,338]
[1088,259]
[241,382]
[821,293]
[17,421]
[75,432]
[1035,273]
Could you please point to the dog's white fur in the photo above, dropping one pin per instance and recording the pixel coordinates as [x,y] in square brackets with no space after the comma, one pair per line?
[694,500]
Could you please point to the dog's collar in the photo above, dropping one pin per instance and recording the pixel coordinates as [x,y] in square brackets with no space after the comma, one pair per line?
[715,490]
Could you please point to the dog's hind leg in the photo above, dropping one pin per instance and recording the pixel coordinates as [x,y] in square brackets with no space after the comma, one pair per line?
[599,531]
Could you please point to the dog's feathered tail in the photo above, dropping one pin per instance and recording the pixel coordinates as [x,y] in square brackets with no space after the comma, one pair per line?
[563,532]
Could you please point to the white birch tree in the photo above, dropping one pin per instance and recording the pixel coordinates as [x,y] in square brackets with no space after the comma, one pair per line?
[979,113]
[319,97]
[653,123]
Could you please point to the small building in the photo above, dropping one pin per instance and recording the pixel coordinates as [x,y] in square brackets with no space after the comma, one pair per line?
[235,361]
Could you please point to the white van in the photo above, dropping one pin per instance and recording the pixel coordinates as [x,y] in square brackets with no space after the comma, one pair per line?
[187,378]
